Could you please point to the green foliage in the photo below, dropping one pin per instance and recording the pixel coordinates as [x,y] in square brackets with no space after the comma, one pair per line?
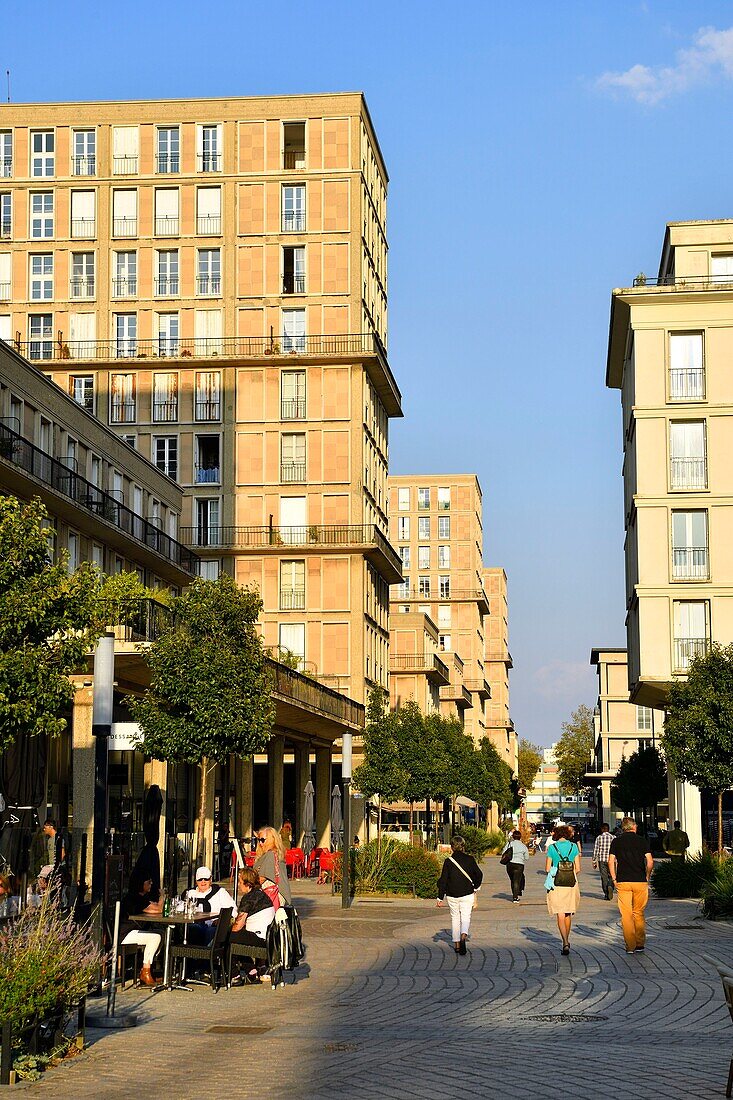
[678,878]
[479,841]
[640,781]
[382,772]
[413,869]
[698,730]
[46,624]
[717,893]
[574,749]
[529,762]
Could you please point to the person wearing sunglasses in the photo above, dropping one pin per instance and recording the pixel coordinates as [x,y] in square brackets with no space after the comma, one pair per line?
[270,866]
[209,899]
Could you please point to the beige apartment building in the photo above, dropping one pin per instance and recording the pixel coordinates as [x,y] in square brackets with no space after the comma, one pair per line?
[669,353]
[435,522]
[209,278]
[621,728]
[497,665]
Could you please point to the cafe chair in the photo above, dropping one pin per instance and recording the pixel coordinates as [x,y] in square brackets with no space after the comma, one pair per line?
[295,862]
[245,951]
[130,951]
[214,954]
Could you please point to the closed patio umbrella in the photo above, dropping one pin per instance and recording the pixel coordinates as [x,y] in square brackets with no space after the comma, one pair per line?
[337,818]
[309,820]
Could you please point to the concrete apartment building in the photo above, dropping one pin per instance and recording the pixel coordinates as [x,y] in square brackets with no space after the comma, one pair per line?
[545,802]
[669,352]
[621,728]
[497,665]
[209,277]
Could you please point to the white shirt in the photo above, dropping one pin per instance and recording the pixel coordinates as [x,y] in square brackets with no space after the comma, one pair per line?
[260,922]
[222,899]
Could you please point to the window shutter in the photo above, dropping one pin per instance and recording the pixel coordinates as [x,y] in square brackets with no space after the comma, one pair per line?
[125,141]
[82,334]
[166,203]
[209,202]
[82,205]
[124,204]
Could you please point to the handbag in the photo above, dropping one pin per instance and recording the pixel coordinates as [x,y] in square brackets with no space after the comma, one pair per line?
[272,889]
[506,857]
[565,875]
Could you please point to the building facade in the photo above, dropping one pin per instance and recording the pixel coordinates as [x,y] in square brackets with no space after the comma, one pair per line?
[546,803]
[497,665]
[209,277]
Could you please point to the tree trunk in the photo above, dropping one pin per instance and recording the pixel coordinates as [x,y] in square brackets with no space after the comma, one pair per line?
[720,823]
[200,848]
[379,828]
[411,821]
[427,820]
[453,814]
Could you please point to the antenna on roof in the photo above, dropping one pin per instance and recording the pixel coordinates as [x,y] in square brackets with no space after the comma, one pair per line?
[7,73]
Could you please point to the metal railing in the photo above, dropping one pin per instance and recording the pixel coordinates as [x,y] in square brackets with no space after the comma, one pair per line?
[688,282]
[138,620]
[686,649]
[690,563]
[4,291]
[6,166]
[86,402]
[481,687]
[686,383]
[124,166]
[6,228]
[208,162]
[310,693]
[123,412]
[293,159]
[164,412]
[689,473]
[56,474]
[208,284]
[312,535]
[166,163]
[292,599]
[457,594]
[124,286]
[294,284]
[81,286]
[208,225]
[85,165]
[293,221]
[207,475]
[167,285]
[207,410]
[83,228]
[166,227]
[292,471]
[418,662]
[124,227]
[292,408]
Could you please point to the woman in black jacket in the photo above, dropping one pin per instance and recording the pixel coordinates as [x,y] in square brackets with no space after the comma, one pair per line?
[459,880]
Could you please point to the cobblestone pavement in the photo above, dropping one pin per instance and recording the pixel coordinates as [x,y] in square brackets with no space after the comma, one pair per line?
[385,1008]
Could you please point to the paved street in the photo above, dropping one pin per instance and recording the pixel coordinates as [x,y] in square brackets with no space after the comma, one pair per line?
[385,1008]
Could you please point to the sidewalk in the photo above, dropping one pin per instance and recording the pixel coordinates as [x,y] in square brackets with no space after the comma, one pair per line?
[385,1008]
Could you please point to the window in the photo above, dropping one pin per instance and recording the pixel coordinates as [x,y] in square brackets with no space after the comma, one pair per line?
[423,499]
[293,145]
[403,590]
[292,395]
[403,528]
[168,332]
[82,335]
[207,395]
[125,140]
[166,212]
[95,474]
[292,585]
[124,213]
[6,153]
[443,527]
[125,325]
[721,268]
[41,278]
[294,270]
[42,158]
[293,519]
[167,155]
[292,456]
[208,151]
[129,439]
[81,387]
[293,330]
[209,570]
[691,631]
[208,211]
[124,283]
[423,527]
[6,270]
[208,280]
[40,334]
[165,454]
[207,521]
[293,209]
[643,718]
[73,549]
[687,454]
[98,556]
[404,553]
[690,545]
[6,326]
[122,399]
[444,587]
[82,275]
[444,557]
[292,640]
[423,557]
[83,222]
[207,331]
[444,610]
[6,218]
[84,157]
[208,461]
[403,500]
[165,397]
[686,366]
[166,281]
[445,642]
[444,499]
[423,586]
[41,214]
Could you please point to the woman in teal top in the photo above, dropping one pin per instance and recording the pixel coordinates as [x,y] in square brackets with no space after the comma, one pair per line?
[563,900]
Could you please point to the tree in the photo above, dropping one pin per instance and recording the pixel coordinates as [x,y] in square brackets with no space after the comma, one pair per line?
[492,778]
[381,772]
[529,762]
[574,749]
[641,781]
[47,624]
[209,696]
[698,730]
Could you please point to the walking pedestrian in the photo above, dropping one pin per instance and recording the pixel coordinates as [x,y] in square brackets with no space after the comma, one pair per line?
[563,890]
[676,842]
[459,880]
[630,863]
[601,848]
[518,859]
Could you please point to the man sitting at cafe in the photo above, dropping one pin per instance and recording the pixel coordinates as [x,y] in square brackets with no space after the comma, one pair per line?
[210,899]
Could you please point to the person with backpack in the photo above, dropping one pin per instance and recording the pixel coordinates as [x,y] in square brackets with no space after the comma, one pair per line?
[515,857]
[563,890]
[459,880]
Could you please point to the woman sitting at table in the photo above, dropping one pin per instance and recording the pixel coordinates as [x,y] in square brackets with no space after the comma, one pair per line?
[139,900]
[256,914]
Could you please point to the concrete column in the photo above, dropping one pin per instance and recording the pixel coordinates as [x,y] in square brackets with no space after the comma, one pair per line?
[82,773]
[323,798]
[275,766]
[243,774]
[685,806]
[302,775]
[156,772]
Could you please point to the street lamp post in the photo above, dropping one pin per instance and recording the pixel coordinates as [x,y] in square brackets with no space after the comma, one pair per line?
[104,674]
[345,861]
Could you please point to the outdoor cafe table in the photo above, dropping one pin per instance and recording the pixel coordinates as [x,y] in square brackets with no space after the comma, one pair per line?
[170,923]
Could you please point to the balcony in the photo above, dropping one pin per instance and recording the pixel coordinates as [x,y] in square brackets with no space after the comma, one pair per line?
[6,167]
[207,410]
[292,472]
[208,225]
[83,228]
[208,162]
[687,384]
[207,475]
[5,292]
[294,284]
[123,412]
[165,412]
[81,286]
[455,595]
[686,649]
[166,227]
[289,685]
[6,229]
[293,221]
[458,694]
[364,538]
[292,408]
[124,227]
[429,664]
[292,599]
[167,286]
[138,620]
[167,163]
[208,285]
[124,166]
[480,687]
[26,457]
[689,473]
[690,563]
[124,286]
[293,159]
[84,165]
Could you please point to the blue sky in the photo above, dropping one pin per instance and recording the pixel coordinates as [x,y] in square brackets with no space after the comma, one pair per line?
[535,153]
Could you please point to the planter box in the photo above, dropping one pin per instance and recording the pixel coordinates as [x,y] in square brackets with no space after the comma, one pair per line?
[51,1031]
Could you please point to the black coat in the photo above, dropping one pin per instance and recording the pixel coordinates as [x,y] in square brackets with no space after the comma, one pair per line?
[453,883]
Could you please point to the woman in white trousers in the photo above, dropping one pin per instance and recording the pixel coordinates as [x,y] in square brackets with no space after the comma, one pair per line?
[459,880]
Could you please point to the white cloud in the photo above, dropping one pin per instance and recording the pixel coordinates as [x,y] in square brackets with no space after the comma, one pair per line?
[564,679]
[709,58]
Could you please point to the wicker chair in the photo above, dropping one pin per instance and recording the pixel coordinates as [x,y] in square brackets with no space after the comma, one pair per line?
[726,976]
[129,951]
[245,951]
[214,954]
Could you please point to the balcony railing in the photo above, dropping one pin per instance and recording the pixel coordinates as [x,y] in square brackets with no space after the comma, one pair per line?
[208,225]
[208,162]
[292,408]
[124,227]
[124,286]
[165,163]
[4,291]
[685,282]
[6,166]
[167,285]
[165,412]
[429,663]
[480,686]
[83,228]
[292,471]
[166,227]
[686,384]
[6,228]
[123,412]
[294,284]
[51,471]
[81,286]
[686,649]
[293,221]
[85,165]
[208,285]
[689,473]
[690,563]
[293,159]
[458,694]
[207,475]
[138,620]
[124,166]
[292,599]
[207,410]
[302,690]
